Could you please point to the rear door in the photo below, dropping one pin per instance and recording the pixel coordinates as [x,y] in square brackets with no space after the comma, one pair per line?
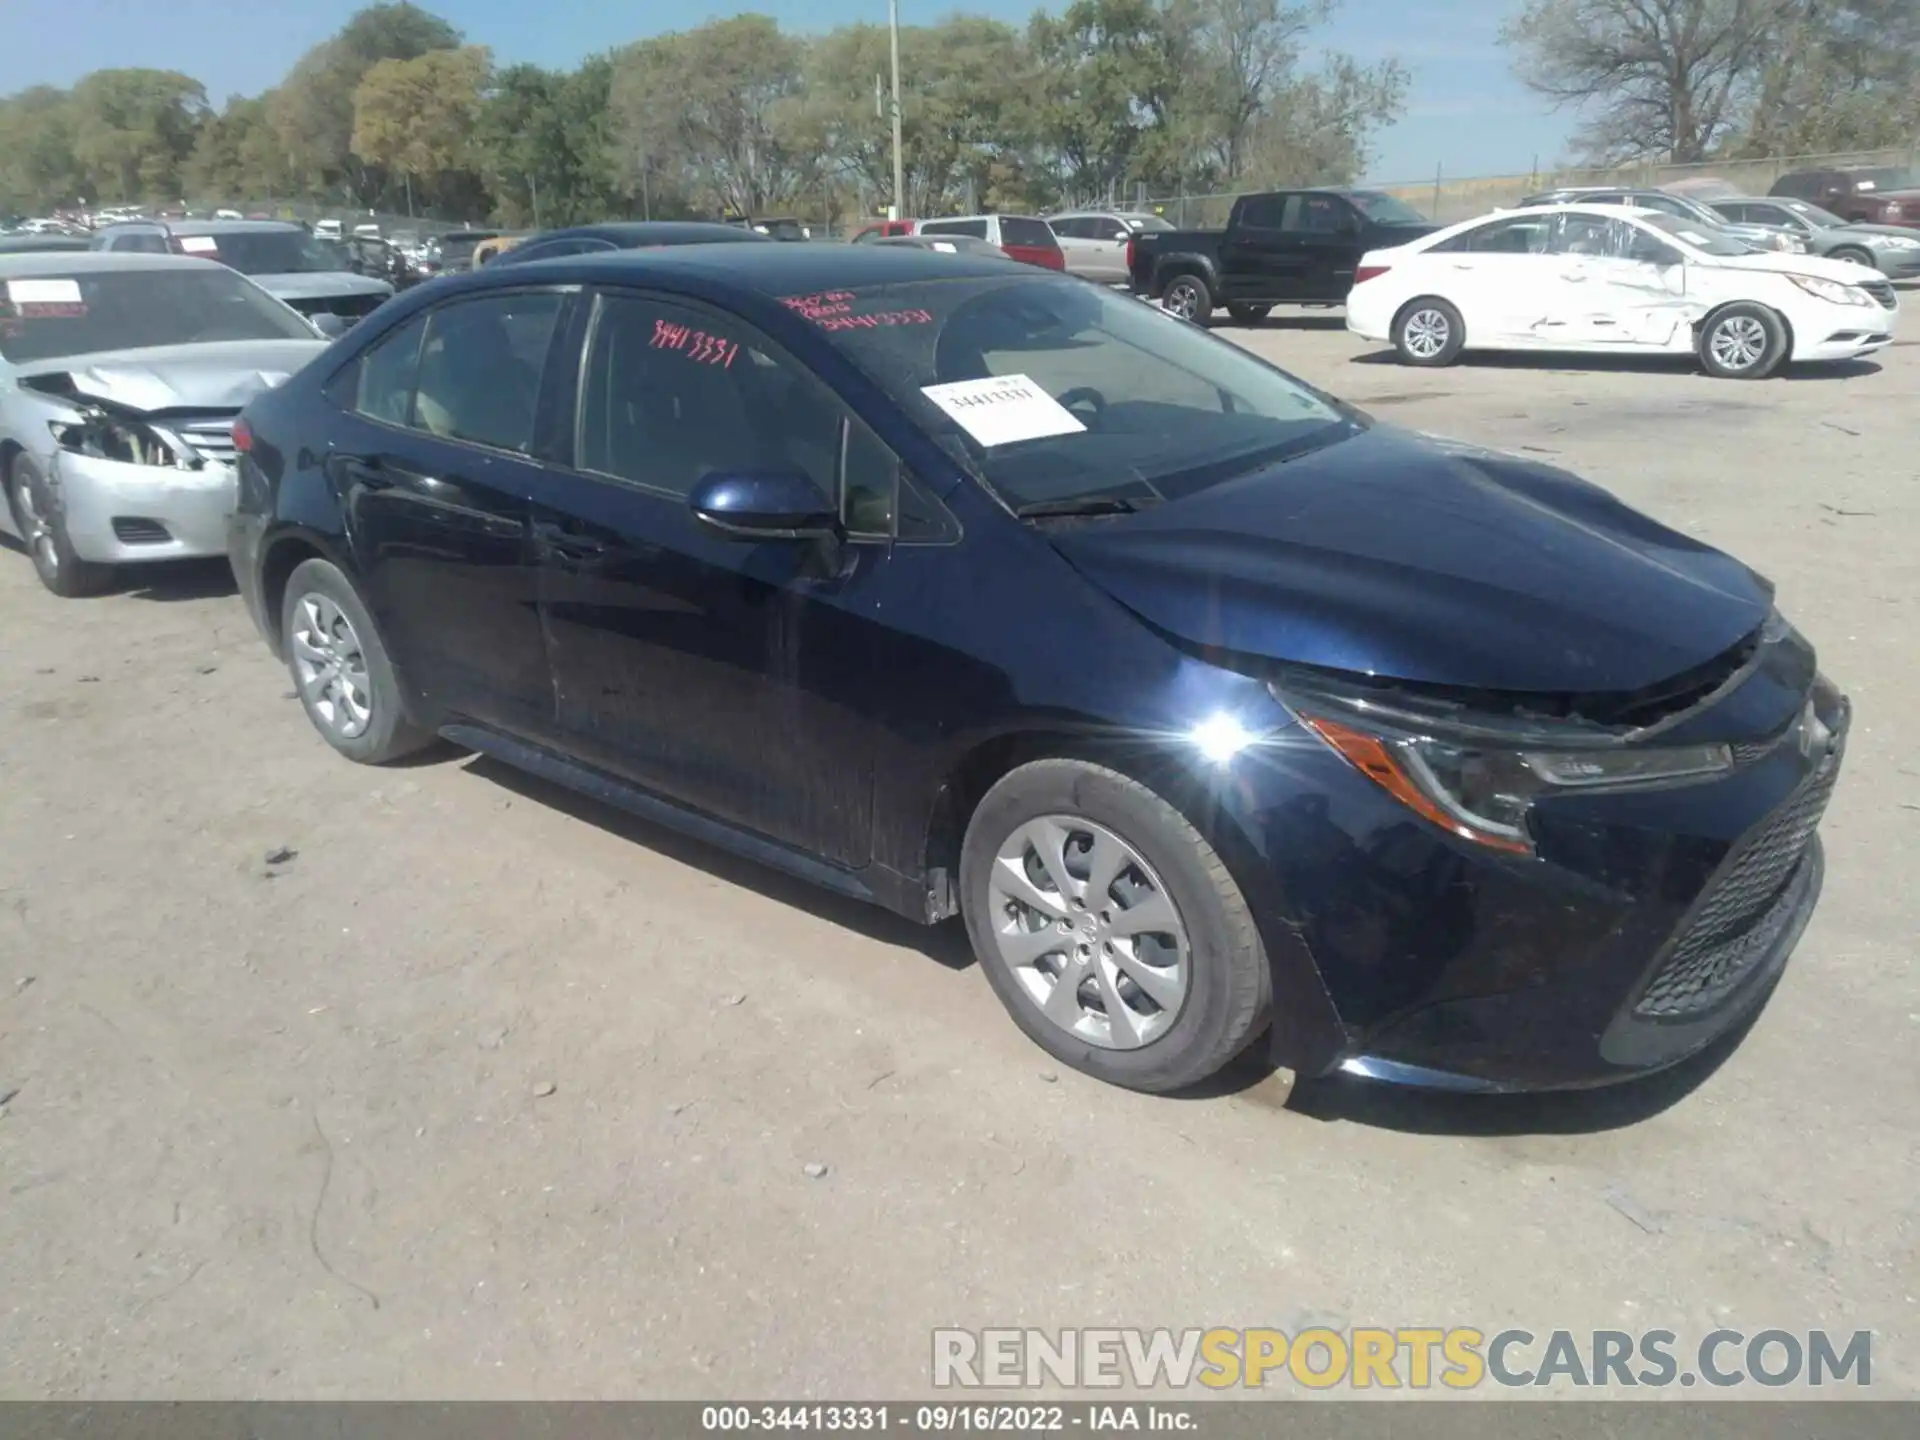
[1257,261]
[436,454]
[1500,277]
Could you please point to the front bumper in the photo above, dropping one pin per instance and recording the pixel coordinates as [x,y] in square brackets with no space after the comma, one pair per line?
[1649,923]
[120,514]
[1898,264]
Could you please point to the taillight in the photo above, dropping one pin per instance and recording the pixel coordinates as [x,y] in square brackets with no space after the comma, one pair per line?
[1369,272]
[242,436]
[1130,254]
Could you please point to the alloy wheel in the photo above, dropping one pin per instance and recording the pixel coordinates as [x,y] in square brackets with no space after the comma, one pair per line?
[36,530]
[1427,333]
[1089,931]
[332,667]
[1738,342]
[1182,299]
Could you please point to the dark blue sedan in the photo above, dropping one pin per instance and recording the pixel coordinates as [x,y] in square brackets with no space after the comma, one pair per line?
[1220,713]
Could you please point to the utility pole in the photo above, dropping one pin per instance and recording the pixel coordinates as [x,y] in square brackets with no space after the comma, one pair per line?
[897,211]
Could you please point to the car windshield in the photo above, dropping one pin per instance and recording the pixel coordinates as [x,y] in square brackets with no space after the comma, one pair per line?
[1103,398]
[266,252]
[1709,239]
[1813,214]
[50,317]
[1150,225]
[1885,178]
[1384,209]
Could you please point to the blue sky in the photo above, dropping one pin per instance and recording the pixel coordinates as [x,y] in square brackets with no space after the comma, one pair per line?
[1465,111]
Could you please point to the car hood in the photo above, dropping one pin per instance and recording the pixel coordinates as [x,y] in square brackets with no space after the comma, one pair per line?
[1396,555]
[320,285]
[1846,272]
[220,376]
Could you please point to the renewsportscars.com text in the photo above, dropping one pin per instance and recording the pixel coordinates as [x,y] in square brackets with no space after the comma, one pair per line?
[1412,1358]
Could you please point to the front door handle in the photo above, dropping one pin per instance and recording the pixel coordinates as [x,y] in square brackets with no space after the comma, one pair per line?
[567,542]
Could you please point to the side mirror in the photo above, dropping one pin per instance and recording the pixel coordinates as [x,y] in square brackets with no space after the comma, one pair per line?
[330,325]
[764,505]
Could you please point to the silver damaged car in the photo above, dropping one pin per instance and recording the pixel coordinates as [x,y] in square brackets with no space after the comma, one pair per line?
[120,377]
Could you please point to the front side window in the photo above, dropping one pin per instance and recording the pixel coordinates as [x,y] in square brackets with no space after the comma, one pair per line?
[1579,234]
[480,367]
[1119,399]
[1077,227]
[49,317]
[674,393]
[1019,230]
[1317,215]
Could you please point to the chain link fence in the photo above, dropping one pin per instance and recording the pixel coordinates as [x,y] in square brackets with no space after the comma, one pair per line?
[1447,199]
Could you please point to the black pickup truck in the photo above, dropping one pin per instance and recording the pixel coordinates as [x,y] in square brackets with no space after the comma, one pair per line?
[1286,247]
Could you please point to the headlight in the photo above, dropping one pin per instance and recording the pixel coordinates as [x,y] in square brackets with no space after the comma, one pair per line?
[1832,290]
[1893,242]
[1484,793]
[1792,244]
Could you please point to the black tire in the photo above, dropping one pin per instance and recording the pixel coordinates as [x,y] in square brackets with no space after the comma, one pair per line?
[59,569]
[1248,314]
[1859,257]
[1423,322]
[1188,297]
[387,734]
[1739,330]
[1228,985]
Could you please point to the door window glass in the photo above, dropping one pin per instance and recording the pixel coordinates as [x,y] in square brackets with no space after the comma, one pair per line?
[1522,235]
[976,228]
[480,367]
[1264,212]
[1587,235]
[1316,215]
[384,388]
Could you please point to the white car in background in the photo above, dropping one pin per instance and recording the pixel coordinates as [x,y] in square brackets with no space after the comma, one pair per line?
[1606,279]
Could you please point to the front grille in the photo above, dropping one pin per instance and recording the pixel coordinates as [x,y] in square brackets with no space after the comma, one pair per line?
[347,307]
[1745,910]
[1881,291]
[212,438]
[138,530]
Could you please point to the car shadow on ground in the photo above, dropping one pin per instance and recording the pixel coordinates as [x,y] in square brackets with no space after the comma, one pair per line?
[169,580]
[945,943]
[1334,321]
[1564,364]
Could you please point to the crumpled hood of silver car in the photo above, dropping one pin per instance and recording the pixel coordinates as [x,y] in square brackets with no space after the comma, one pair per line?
[223,375]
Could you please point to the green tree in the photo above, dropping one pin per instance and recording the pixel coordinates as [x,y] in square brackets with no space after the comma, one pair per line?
[134,129]
[38,167]
[416,118]
[312,110]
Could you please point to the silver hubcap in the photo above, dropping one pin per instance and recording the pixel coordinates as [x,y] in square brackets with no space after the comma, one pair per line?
[331,667]
[1089,932]
[36,530]
[1738,342]
[1426,333]
[1182,300]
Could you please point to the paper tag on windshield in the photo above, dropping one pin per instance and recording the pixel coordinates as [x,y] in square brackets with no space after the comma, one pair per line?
[1004,409]
[44,292]
[199,244]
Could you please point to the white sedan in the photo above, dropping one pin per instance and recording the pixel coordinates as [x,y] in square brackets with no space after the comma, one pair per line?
[1605,279]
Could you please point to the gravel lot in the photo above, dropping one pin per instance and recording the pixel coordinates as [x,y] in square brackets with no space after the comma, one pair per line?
[486,1091]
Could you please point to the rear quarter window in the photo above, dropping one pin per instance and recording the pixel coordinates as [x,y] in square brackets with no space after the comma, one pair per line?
[1017,230]
[975,228]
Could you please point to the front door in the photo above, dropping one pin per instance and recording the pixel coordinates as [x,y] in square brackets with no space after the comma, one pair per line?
[435,461]
[721,673]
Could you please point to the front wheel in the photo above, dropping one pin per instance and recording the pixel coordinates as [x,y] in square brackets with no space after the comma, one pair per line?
[1742,342]
[1109,927]
[1858,257]
[1429,332]
[1248,314]
[42,522]
[1188,297]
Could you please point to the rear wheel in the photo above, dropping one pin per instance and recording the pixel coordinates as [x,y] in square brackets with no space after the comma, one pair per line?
[42,523]
[1109,928]
[1429,331]
[1743,342]
[1188,297]
[340,668]
[1248,314]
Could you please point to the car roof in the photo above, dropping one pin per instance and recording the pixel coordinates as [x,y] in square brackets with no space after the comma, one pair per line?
[770,270]
[644,232]
[207,227]
[94,262]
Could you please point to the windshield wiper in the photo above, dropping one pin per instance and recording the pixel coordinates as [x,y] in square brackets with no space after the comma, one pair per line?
[1085,505]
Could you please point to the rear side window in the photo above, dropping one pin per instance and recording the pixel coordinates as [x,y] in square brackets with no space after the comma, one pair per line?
[975,228]
[1262,212]
[480,365]
[140,243]
[1019,230]
[1522,235]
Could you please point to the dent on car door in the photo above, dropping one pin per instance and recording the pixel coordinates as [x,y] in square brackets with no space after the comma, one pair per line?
[717,672]
[434,455]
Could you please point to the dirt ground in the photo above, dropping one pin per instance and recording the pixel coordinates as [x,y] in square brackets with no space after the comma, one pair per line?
[486,1091]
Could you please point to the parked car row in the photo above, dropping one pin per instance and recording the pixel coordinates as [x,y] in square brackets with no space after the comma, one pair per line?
[970,589]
